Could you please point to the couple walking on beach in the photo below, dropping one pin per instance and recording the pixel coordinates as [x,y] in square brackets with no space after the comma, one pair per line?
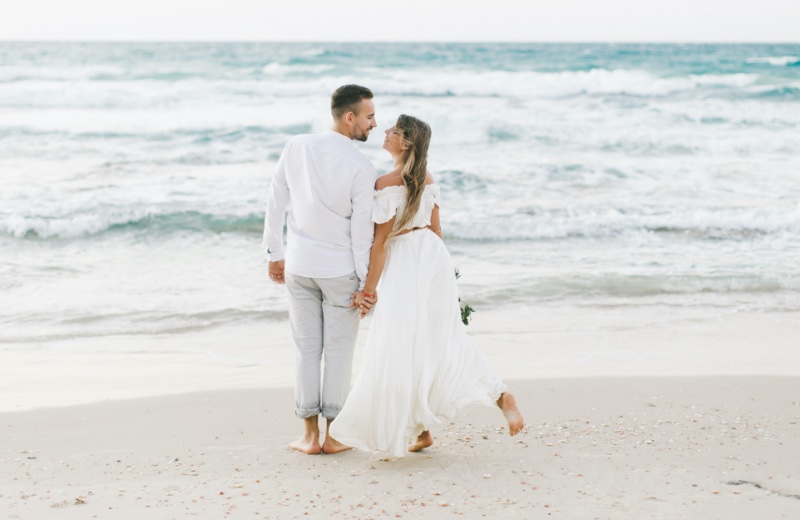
[346,232]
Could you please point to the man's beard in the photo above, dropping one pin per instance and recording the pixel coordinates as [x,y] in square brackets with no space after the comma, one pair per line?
[362,136]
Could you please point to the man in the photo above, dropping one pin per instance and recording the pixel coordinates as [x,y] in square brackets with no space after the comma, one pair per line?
[330,187]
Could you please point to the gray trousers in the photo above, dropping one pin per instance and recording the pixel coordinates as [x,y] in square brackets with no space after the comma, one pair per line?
[324,328]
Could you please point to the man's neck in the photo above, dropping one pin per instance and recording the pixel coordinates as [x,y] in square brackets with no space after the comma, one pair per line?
[341,130]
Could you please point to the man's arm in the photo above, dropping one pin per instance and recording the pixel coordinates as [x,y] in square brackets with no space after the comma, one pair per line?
[361,227]
[277,202]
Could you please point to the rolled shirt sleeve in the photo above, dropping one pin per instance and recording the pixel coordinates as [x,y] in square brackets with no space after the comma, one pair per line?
[277,202]
[362,229]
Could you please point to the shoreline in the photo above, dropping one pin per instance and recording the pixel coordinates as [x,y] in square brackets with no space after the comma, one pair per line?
[633,447]
[630,415]
[518,343]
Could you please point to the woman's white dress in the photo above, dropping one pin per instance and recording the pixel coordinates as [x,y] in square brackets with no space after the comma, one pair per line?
[419,364]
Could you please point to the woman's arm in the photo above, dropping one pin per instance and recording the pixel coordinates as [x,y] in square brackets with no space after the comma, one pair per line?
[377,258]
[436,226]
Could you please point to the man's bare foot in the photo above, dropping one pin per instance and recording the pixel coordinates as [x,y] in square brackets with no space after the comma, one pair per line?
[331,446]
[308,445]
[424,440]
[508,405]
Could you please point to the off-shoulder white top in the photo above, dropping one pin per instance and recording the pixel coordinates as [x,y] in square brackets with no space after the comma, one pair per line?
[391,201]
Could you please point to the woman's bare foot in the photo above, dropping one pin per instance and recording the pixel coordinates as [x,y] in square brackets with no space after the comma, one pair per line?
[306,444]
[424,440]
[331,446]
[508,405]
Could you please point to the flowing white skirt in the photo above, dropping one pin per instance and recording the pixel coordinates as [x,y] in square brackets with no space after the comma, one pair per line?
[419,365]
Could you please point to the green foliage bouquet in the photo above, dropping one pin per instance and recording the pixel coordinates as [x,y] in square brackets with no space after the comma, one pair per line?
[466,310]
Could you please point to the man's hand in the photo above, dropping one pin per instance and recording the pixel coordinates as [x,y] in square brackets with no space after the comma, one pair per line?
[364,303]
[276,271]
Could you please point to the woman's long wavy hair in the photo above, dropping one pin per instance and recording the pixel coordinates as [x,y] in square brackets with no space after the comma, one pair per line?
[416,135]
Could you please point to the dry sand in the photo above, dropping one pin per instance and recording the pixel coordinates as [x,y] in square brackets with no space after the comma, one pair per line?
[639,448]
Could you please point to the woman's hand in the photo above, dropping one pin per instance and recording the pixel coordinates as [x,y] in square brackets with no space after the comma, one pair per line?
[364,301]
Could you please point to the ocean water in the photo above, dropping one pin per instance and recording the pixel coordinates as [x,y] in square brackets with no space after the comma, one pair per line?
[133,176]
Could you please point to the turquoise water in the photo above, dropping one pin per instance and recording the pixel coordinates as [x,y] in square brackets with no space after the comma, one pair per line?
[133,176]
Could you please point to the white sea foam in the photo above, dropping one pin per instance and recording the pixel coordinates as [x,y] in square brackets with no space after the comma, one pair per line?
[87,72]
[435,82]
[598,223]
[529,225]
[776,88]
[274,67]
[777,61]
[428,82]
[279,69]
[640,285]
[738,80]
[313,52]
[65,227]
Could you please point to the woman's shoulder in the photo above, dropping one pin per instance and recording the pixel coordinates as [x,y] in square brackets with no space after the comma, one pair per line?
[432,189]
[388,179]
[389,183]
[430,185]
[392,183]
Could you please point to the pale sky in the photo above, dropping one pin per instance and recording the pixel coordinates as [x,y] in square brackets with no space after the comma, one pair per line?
[402,20]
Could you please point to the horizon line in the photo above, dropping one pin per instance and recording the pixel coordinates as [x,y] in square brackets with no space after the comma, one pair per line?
[464,42]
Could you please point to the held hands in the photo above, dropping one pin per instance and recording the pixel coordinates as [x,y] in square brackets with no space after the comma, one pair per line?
[276,272]
[364,301]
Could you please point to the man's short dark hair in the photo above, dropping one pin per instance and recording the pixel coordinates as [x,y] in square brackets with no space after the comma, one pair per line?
[346,99]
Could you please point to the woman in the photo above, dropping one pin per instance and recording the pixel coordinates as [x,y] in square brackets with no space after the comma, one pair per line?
[419,363]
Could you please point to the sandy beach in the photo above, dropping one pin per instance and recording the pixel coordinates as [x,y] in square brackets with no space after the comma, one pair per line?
[659,416]
[696,447]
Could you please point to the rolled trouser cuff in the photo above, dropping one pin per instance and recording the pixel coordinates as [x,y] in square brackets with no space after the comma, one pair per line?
[305,413]
[330,413]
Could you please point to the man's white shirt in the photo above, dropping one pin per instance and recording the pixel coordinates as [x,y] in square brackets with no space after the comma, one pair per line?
[327,185]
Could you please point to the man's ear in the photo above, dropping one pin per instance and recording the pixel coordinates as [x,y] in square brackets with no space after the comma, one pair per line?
[349,117]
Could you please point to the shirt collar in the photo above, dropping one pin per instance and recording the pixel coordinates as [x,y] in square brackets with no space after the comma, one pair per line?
[337,135]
